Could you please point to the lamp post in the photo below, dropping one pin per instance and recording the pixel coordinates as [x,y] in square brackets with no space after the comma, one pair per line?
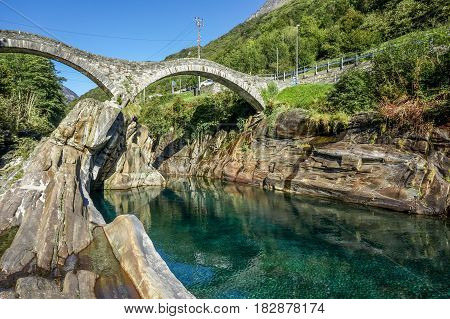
[278,63]
[296,54]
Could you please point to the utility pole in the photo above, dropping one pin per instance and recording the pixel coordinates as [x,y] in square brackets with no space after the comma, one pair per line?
[296,54]
[200,23]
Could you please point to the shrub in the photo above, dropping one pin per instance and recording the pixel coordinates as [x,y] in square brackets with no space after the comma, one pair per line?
[353,93]
[190,116]
[270,93]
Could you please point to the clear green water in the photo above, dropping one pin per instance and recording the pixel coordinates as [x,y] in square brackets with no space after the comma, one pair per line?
[228,241]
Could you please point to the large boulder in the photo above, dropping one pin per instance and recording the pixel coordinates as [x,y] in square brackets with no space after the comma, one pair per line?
[55,252]
[140,260]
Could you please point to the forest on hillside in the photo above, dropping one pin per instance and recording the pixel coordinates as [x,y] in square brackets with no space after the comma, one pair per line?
[327,29]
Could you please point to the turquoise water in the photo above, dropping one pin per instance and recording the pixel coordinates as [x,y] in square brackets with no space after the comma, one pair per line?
[230,241]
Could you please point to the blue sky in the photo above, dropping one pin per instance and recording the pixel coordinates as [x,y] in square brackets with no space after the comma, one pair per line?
[148,26]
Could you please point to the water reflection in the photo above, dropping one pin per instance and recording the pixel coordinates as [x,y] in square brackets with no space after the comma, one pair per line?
[232,241]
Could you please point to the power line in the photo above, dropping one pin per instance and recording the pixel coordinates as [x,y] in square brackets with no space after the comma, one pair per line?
[29,20]
[185,32]
[96,35]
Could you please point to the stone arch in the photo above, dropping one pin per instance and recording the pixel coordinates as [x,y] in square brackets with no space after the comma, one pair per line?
[123,79]
[248,87]
[19,42]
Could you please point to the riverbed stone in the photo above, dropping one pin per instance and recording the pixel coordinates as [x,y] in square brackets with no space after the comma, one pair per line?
[34,287]
[8,294]
[80,284]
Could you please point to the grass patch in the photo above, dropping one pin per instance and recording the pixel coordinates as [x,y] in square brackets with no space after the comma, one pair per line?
[305,96]
[312,98]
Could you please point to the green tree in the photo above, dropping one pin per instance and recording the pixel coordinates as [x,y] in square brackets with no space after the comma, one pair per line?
[31,98]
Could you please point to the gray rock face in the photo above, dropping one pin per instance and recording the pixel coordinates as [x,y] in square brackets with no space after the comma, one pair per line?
[140,260]
[359,165]
[133,168]
[80,285]
[69,94]
[57,222]
[8,294]
[269,6]
[51,202]
[37,288]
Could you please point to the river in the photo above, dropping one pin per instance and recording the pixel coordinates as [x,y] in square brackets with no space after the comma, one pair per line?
[224,240]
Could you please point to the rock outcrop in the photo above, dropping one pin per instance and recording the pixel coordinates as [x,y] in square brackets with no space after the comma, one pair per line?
[51,203]
[133,168]
[55,251]
[269,6]
[359,164]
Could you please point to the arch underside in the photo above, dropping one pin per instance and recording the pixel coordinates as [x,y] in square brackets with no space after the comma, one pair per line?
[61,60]
[242,92]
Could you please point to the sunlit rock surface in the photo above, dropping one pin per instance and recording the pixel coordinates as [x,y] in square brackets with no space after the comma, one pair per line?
[50,204]
[140,260]
[133,168]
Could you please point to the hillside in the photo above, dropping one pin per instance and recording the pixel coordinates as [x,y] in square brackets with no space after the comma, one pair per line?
[328,28]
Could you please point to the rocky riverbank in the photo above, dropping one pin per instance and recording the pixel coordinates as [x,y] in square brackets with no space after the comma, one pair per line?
[362,163]
[57,245]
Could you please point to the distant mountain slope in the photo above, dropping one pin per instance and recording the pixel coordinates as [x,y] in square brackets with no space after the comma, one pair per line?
[269,6]
[328,29]
[69,94]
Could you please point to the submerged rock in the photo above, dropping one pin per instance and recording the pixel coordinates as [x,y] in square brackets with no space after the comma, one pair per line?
[99,258]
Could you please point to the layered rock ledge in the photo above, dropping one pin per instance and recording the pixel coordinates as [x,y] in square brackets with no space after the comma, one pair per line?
[359,164]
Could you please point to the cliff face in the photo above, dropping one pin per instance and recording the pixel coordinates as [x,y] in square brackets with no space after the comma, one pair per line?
[54,241]
[359,164]
[69,94]
[269,6]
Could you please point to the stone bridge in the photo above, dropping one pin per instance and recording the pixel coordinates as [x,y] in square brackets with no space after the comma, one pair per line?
[122,79]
